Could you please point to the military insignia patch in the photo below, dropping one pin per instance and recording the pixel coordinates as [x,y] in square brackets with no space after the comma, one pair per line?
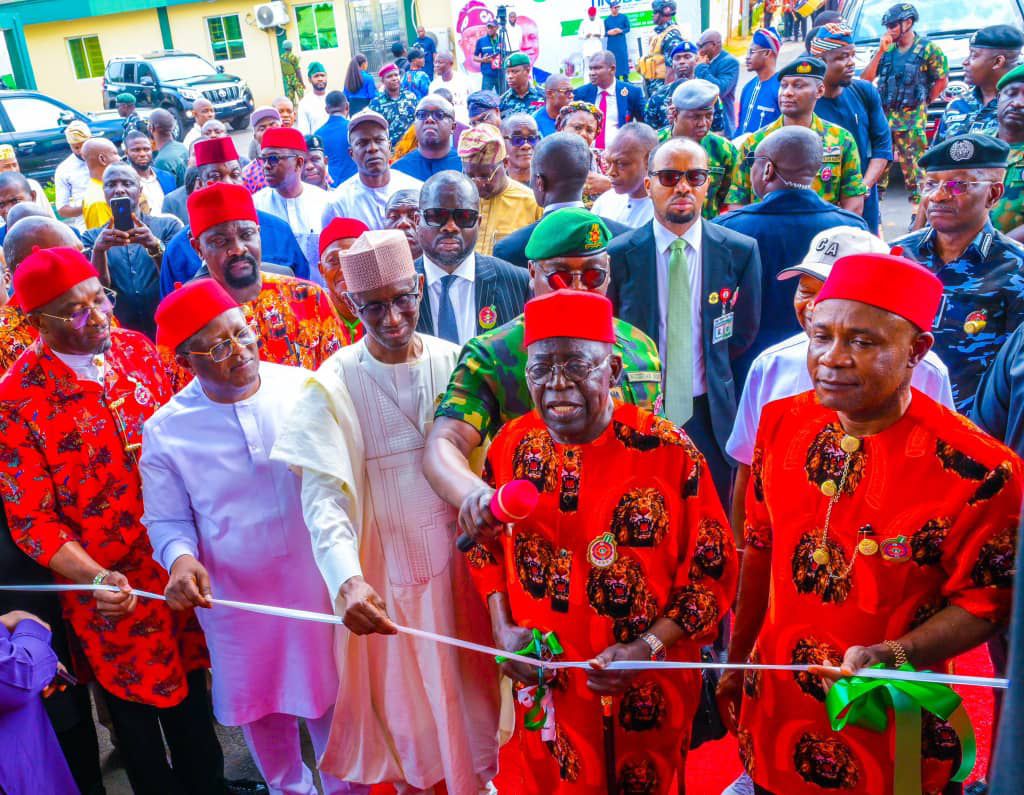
[961,150]
[803,69]
[593,237]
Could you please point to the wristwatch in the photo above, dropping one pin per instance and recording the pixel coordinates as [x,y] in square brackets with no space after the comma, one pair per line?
[656,646]
[158,250]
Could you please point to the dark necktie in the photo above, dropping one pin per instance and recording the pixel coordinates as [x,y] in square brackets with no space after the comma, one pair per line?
[447,327]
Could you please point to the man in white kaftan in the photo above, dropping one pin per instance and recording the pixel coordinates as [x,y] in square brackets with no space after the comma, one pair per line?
[410,711]
[226,521]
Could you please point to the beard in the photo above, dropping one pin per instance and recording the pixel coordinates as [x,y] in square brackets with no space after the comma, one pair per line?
[241,282]
[449,258]
[680,218]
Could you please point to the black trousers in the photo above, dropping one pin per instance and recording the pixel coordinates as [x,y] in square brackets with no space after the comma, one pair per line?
[702,434]
[195,751]
[76,734]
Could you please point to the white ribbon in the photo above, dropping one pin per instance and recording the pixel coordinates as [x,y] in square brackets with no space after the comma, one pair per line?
[490,651]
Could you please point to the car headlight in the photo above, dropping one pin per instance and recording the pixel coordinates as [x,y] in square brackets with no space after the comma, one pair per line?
[189,94]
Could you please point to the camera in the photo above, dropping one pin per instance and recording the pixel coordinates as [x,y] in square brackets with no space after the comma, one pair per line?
[502,15]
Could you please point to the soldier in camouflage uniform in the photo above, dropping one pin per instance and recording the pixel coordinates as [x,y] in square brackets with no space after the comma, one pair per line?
[693,105]
[654,65]
[522,95]
[488,387]
[394,104]
[983,299]
[1008,213]
[839,181]
[911,72]
[994,52]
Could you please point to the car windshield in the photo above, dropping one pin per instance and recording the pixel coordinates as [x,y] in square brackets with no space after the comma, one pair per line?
[182,67]
[948,16]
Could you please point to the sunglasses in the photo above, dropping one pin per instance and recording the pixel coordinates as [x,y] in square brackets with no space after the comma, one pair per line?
[80,317]
[273,160]
[586,279]
[670,177]
[436,115]
[521,140]
[438,216]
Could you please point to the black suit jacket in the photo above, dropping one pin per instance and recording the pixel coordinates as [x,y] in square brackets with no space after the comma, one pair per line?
[630,105]
[728,260]
[497,284]
[512,248]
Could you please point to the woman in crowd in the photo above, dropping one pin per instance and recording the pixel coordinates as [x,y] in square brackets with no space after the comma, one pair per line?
[359,85]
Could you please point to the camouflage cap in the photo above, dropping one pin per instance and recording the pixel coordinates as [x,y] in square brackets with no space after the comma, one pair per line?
[569,232]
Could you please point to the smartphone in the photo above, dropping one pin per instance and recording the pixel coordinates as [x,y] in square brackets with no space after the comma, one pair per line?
[121,208]
[65,677]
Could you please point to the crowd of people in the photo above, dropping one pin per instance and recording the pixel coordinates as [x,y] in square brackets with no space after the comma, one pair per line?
[753,430]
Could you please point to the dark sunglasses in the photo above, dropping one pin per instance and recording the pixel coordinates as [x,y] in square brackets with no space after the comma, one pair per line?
[438,216]
[436,115]
[588,279]
[273,160]
[520,140]
[670,177]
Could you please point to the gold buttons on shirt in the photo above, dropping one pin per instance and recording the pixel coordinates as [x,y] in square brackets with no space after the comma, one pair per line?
[867,546]
[850,444]
[828,488]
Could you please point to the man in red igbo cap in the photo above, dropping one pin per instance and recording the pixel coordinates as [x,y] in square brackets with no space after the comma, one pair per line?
[217,161]
[221,515]
[338,236]
[71,414]
[296,323]
[286,196]
[638,567]
[880,529]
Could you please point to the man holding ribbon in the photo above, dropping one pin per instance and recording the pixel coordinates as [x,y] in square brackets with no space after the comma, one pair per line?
[409,711]
[637,568]
[880,530]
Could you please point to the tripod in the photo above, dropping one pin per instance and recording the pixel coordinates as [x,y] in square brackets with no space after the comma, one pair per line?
[505,50]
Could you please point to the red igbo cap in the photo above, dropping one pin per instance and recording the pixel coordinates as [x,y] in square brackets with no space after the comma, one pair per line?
[188,309]
[218,203]
[339,229]
[214,150]
[591,12]
[48,273]
[387,69]
[894,284]
[285,138]
[569,313]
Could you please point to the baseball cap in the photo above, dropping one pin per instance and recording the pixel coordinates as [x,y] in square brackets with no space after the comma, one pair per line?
[828,246]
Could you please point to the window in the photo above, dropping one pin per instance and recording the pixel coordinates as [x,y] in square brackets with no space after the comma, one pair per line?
[86,56]
[30,114]
[225,37]
[317,30]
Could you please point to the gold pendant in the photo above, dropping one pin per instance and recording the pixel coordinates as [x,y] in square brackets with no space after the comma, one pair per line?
[821,556]
[850,444]
[867,546]
[829,488]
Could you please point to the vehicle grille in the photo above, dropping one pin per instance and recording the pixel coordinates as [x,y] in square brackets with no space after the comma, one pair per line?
[221,95]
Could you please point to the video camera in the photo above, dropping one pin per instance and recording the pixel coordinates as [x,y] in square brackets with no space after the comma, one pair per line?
[502,15]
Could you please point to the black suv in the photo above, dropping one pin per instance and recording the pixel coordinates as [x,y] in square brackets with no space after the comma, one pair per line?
[34,123]
[173,80]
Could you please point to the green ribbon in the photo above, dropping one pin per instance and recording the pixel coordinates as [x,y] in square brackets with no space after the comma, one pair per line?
[863,702]
[541,646]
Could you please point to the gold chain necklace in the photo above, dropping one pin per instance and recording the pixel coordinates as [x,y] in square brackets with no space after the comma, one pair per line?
[821,556]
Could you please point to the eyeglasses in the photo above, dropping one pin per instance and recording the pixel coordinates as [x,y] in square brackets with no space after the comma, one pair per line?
[587,279]
[954,187]
[439,216]
[565,92]
[575,370]
[80,317]
[436,115]
[756,50]
[222,351]
[670,177]
[376,310]
[273,160]
[490,176]
[521,140]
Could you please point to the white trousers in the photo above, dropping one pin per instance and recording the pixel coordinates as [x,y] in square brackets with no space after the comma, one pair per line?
[273,742]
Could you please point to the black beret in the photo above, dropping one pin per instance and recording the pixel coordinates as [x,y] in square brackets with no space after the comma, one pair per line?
[998,37]
[804,66]
[314,142]
[965,151]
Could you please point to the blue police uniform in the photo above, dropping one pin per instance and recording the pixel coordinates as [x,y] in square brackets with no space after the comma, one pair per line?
[982,303]
[968,114]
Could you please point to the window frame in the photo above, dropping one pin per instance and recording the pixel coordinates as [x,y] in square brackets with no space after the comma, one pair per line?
[85,56]
[312,9]
[227,42]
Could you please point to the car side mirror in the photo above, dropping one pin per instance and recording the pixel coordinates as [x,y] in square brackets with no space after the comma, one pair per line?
[220,69]
[146,80]
[66,117]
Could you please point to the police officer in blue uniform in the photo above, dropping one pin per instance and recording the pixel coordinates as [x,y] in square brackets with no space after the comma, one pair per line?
[981,268]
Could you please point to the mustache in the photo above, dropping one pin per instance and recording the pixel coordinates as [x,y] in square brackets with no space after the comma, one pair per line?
[241,258]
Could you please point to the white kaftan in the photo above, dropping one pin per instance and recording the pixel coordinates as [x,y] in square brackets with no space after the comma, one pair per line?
[304,214]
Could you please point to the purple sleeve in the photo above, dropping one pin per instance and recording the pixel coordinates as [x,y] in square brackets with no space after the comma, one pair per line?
[27,663]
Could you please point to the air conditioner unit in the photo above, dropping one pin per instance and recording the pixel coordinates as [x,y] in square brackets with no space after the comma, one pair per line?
[272,15]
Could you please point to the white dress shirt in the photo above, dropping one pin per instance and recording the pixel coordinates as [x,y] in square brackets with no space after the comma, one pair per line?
[781,371]
[154,194]
[663,239]
[311,114]
[86,366]
[304,214]
[623,208]
[354,199]
[462,294]
[550,208]
[460,91]
[69,183]
[611,114]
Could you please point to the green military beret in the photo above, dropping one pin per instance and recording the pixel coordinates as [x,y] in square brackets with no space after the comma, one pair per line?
[1015,75]
[569,232]
[517,59]
[965,151]
[804,66]
[125,98]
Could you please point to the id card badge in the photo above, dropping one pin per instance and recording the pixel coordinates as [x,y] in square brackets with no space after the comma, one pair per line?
[722,328]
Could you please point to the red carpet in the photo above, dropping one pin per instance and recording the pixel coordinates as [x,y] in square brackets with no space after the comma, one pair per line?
[713,766]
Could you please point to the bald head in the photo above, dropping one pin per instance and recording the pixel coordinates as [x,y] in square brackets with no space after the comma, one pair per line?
[25,210]
[99,153]
[795,151]
[36,232]
[667,150]
[450,183]
[561,163]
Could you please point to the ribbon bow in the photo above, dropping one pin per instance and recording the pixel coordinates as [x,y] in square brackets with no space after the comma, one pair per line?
[543,646]
[864,702]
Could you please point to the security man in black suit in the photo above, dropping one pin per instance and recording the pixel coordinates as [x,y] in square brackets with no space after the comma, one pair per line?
[695,288]
[465,293]
[559,172]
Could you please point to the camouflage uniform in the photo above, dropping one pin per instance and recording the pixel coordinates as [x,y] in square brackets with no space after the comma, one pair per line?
[488,387]
[1008,212]
[135,123]
[908,124]
[722,159]
[968,114]
[511,102]
[672,38]
[399,112]
[838,178]
[656,110]
[986,283]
